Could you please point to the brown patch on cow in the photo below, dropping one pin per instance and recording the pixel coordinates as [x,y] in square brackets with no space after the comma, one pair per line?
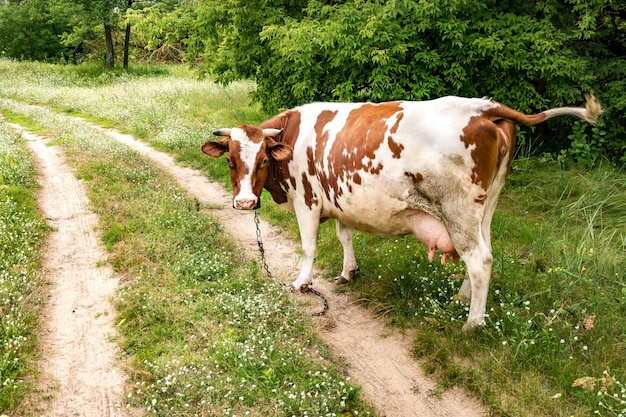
[507,135]
[310,199]
[255,134]
[237,171]
[310,160]
[396,148]
[416,177]
[354,148]
[394,128]
[485,137]
[323,119]
[278,179]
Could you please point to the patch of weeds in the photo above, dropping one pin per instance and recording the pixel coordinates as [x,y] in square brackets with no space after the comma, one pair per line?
[22,231]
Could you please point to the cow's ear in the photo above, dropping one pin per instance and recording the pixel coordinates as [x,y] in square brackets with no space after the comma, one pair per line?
[279,151]
[215,148]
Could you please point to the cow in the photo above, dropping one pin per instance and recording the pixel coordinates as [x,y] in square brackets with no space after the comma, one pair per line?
[433,169]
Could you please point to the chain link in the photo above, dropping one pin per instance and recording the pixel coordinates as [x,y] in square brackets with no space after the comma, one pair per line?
[324,300]
[259,243]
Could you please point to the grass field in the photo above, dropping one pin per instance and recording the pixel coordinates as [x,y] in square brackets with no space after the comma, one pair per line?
[555,341]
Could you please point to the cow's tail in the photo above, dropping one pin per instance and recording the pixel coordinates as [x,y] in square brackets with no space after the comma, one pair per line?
[590,113]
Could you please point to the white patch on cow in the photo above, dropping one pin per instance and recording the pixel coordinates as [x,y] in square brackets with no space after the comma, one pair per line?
[248,153]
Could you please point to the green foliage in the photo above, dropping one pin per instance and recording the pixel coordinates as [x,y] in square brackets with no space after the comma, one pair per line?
[412,50]
[530,56]
[587,143]
[225,34]
[162,28]
[32,30]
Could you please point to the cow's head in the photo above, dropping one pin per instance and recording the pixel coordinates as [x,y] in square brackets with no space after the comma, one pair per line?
[249,150]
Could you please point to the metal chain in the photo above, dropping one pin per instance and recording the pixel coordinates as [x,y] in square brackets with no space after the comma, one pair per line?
[324,300]
[259,242]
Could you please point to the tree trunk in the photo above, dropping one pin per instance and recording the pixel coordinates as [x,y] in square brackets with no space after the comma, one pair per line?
[126,42]
[127,37]
[110,56]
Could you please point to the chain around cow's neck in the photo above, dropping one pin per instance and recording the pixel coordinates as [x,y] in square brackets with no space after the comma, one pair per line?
[259,242]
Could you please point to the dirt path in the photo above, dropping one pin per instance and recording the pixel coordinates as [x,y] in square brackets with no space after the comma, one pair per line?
[378,358]
[78,364]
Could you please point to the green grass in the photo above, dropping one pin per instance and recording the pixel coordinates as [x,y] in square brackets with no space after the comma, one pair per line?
[21,287]
[205,333]
[557,303]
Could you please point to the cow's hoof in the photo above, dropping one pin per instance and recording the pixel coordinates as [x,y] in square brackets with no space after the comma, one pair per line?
[461,298]
[473,325]
[340,280]
[299,288]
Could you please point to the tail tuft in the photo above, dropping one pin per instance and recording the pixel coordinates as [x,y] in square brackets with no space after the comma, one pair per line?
[593,109]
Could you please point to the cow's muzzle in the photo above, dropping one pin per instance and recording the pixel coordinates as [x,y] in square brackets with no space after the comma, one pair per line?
[247,204]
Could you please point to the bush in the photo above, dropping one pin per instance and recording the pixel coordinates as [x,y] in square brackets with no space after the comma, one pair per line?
[528,56]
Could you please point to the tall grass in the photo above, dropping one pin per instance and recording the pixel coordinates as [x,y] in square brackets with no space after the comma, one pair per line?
[555,342]
[21,287]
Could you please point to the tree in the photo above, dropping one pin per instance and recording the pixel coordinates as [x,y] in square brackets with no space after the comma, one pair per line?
[129,5]
[163,27]
[88,16]
[226,35]
[107,13]
[33,29]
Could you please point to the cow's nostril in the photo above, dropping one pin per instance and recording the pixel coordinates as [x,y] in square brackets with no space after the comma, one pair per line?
[247,204]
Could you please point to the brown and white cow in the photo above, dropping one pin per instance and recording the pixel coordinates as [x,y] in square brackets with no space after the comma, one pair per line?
[431,168]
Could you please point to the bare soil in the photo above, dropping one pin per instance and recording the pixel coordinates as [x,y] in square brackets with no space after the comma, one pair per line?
[79,358]
[77,347]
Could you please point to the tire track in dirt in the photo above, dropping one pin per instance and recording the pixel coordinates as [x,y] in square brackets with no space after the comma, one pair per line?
[378,357]
[78,360]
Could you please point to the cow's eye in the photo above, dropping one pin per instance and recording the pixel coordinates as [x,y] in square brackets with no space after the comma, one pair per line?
[230,163]
[266,162]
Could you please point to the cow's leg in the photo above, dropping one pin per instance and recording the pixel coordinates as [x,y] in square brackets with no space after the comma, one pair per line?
[478,261]
[309,225]
[345,235]
[466,234]
[465,292]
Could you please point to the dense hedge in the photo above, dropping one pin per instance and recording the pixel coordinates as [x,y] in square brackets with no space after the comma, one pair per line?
[529,55]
